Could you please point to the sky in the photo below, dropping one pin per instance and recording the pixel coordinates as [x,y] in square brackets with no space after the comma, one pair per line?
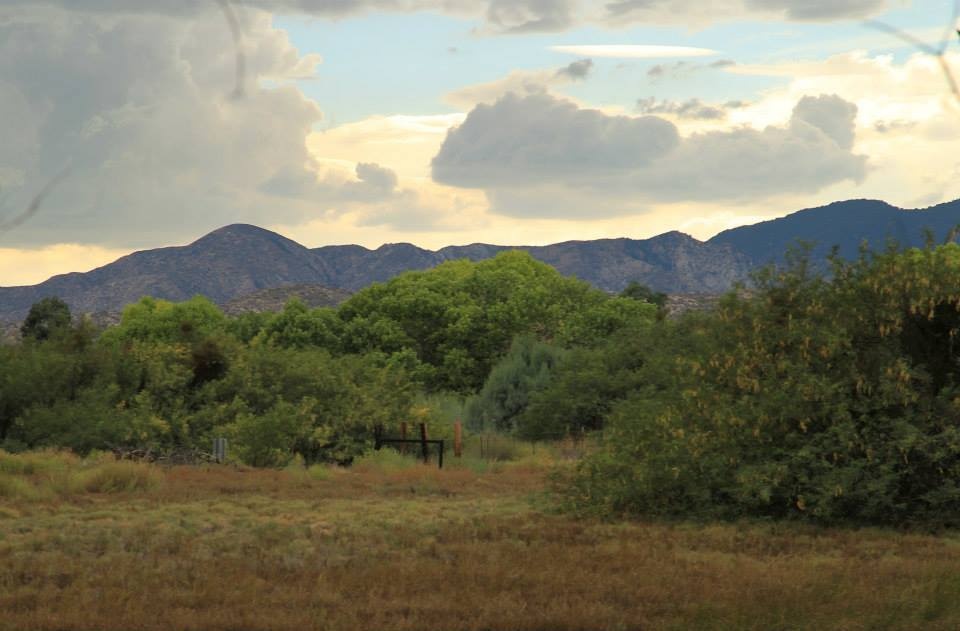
[133,124]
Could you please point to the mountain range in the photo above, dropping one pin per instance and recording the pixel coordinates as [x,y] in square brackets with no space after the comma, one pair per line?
[240,259]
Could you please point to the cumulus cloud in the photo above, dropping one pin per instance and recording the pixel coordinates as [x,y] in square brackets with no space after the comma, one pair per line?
[513,16]
[535,139]
[530,16]
[542,156]
[139,108]
[519,82]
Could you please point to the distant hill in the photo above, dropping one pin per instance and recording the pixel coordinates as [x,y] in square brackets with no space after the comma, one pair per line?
[844,224]
[672,262]
[223,265]
[274,298]
[241,260]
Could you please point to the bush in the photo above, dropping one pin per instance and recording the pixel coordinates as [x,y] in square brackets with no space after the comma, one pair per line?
[117,477]
[834,402]
[507,391]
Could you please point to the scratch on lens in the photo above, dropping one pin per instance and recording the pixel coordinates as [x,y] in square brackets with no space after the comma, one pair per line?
[950,34]
[35,205]
[240,58]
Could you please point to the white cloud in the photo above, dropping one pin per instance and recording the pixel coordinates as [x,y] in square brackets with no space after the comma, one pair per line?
[633,51]
[140,107]
[544,157]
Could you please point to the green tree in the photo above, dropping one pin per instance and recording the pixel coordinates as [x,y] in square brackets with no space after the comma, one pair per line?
[524,370]
[637,291]
[460,317]
[47,318]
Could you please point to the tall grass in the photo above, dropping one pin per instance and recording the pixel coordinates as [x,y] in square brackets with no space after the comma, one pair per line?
[393,545]
[117,477]
[48,475]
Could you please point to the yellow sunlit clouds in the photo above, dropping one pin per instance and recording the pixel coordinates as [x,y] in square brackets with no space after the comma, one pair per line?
[633,51]
[30,266]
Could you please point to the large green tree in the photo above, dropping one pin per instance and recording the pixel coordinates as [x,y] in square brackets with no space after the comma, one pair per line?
[460,317]
[47,318]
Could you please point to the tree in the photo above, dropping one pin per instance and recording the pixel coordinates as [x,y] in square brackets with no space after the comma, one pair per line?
[48,318]
[641,292]
[461,317]
[830,401]
[507,391]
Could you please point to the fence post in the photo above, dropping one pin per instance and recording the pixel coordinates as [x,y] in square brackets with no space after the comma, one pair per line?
[220,450]
[440,456]
[403,435]
[423,443]
[457,439]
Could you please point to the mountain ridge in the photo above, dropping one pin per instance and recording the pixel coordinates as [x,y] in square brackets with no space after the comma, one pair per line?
[240,259]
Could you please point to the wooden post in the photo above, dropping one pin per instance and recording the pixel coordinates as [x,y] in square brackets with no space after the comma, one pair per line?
[440,456]
[403,435]
[423,443]
[458,439]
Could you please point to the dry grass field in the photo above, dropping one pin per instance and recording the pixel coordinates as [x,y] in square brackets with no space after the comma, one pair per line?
[391,545]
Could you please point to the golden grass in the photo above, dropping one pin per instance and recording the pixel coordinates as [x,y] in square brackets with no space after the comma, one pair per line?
[390,545]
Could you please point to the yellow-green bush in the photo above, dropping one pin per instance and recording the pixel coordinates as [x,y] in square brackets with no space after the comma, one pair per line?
[117,477]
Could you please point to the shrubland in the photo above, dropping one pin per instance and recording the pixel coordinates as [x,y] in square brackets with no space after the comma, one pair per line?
[834,401]
[312,383]
[830,399]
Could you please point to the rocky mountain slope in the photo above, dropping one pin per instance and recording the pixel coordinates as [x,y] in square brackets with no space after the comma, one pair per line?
[274,298]
[844,224]
[239,260]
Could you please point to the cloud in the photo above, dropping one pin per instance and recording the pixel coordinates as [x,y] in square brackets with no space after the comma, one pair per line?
[371,183]
[530,16]
[577,69]
[140,108]
[23,266]
[690,109]
[544,157]
[697,12]
[521,141]
[507,16]
[633,51]
[817,10]
[519,82]
[682,69]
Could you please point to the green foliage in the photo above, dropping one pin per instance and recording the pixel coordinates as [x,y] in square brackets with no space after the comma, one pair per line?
[637,291]
[47,318]
[587,382]
[513,380]
[160,321]
[826,401]
[299,327]
[460,317]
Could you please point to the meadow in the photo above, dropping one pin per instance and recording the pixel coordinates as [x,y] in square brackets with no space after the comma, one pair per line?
[392,544]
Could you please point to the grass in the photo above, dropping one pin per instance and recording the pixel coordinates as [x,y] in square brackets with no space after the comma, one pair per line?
[390,544]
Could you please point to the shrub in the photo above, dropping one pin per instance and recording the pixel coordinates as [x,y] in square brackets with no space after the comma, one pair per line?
[117,477]
[828,401]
